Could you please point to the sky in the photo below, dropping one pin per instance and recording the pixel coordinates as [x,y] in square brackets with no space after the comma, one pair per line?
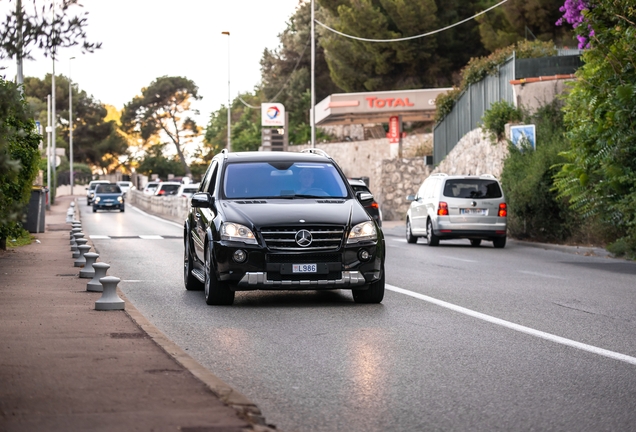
[146,39]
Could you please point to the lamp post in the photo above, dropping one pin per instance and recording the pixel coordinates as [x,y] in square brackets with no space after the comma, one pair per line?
[70,123]
[313,78]
[229,117]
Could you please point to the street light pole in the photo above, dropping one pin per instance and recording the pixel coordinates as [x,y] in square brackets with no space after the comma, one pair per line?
[53,188]
[70,122]
[313,78]
[229,116]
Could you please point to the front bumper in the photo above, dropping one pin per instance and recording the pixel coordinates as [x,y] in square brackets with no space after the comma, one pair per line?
[265,270]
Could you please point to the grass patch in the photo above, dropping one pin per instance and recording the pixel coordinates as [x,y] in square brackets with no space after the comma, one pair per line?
[23,239]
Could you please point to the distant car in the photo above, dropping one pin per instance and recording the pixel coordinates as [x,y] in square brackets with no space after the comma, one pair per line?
[90,190]
[372,208]
[454,207]
[151,187]
[187,190]
[108,197]
[167,188]
[125,186]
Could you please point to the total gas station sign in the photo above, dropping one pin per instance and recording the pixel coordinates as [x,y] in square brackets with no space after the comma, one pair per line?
[272,114]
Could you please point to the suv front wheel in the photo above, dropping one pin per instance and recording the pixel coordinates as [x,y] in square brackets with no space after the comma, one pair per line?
[216,292]
[373,294]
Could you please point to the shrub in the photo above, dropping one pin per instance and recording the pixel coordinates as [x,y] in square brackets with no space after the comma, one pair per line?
[495,119]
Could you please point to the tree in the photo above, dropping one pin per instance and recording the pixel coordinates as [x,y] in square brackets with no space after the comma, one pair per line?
[19,158]
[522,19]
[96,140]
[162,110]
[599,177]
[431,61]
[47,28]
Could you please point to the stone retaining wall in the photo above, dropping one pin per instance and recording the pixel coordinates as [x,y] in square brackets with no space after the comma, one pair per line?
[174,208]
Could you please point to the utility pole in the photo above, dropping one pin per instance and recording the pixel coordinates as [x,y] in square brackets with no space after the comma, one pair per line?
[53,187]
[229,116]
[70,123]
[20,73]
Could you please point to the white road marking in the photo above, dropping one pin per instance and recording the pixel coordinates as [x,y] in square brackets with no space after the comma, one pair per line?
[397,239]
[132,280]
[154,217]
[541,274]
[151,237]
[99,237]
[457,259]
[517,327]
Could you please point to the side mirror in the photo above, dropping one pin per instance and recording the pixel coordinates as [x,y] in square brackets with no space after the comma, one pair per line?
[202,200]
[365,198]
[410,198]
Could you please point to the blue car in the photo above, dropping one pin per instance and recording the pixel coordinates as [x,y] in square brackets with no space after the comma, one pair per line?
[108,197]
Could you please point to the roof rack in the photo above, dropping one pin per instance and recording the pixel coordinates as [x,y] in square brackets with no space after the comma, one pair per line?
[440,174]
[487,175]
[316,151]
[224,152]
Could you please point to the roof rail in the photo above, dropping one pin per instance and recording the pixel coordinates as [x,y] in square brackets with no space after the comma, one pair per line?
[224,152]
[487,175]
[316,151]
[440,174]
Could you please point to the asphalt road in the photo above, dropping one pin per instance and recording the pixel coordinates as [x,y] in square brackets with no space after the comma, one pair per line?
[466,338]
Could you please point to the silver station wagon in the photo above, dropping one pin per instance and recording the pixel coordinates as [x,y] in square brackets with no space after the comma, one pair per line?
[458,207]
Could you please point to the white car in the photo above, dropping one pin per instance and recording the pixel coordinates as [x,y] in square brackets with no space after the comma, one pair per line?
[90,190]
[125,186]
[151,187]
[187,190]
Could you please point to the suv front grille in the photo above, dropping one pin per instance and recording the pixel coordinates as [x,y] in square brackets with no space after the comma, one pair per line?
[284,238]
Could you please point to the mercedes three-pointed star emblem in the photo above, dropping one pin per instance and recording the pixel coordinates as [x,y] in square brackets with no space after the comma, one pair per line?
[303,238]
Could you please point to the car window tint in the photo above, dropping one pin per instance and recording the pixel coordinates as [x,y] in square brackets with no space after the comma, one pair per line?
[170,188]
[358,188]
[472,188]
[264,180]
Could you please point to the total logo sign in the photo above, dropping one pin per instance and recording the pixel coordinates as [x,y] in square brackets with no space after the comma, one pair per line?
[272,114]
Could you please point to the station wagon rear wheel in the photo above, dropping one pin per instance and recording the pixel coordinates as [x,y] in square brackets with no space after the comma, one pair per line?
[475,242]
[499,242]
[431,238]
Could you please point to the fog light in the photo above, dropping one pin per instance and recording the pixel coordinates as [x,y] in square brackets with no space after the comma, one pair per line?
[239,256]
[364,255]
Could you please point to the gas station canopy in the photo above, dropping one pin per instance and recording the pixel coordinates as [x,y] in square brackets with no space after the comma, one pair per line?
[377,107]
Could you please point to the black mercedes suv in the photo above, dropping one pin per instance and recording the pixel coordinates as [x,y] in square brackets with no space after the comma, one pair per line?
[280,221]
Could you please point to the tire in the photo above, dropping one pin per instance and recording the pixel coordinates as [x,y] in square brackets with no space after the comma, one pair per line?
[94,209]
[499,242]
[191,283]
[475,242]
[373,294]
[122,209]
[431,238]
[410,238]
[216,292]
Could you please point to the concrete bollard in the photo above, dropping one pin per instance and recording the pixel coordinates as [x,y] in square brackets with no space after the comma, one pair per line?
[88,271]
[100,271]
[73,231]
[110,300]
[77,235]
[79,243]
[70,213]
[80,261]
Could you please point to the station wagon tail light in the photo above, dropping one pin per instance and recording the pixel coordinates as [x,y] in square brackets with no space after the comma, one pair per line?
[374,205]
[161,192]
[503,210]
[443,209]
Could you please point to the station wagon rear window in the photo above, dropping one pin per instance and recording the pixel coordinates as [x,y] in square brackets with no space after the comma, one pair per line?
[472,188]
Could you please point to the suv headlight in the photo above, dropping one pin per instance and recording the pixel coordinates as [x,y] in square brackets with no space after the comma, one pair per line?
[237,232]
[364,231]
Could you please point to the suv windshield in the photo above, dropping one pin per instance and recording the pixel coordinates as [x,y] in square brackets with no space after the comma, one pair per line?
[472,188]
[287,180]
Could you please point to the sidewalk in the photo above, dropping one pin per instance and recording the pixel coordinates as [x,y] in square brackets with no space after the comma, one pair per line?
[66,367]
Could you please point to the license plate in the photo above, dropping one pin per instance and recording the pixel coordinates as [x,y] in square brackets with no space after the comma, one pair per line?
[474,211]
[108,204]
[304,268]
